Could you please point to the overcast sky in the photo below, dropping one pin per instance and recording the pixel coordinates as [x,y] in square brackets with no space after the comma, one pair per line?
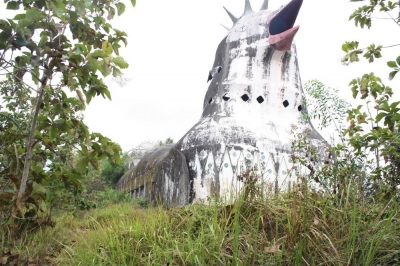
[172,46]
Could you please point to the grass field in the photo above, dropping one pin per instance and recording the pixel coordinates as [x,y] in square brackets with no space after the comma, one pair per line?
[294,228]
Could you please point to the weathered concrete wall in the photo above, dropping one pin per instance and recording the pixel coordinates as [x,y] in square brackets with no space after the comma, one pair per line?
[161,176]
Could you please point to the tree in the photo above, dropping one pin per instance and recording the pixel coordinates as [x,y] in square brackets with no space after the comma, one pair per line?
[375,126]
[49,48]
[112,172]
[369,151]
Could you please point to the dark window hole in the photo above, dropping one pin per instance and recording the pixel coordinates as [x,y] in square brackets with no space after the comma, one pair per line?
[226,97]
[210,101]
[260,99]
[245,97]
[285,103]
[299,108]
[219,69]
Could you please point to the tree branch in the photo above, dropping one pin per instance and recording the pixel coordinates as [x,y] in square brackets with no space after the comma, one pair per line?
[26,84]
[392,18]
[6,116]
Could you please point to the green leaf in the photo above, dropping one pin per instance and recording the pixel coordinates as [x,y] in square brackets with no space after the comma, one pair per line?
[109,150]
[19,16]
[107,47]
[133,3]
[43,125]
[96,147]
[119,61]
[13,5]
[43,39]
[98,53]
[116,155]
[120,8]
[73,17]
[12,23]
[116,72]
[398,60]
[73,176]
[354,89]
[105,69]
[380,116]
[89,95]
[348,46]
[58,8]
[33,13]
[106,28]
[354,56]
[36,75]
[4,36]
[38,189]
[19,42]
[57,109]
[81,165]
[5,26]
[111,13]
[53,131]
[106,92]
[392,74]
[384,106]
[25,22]
[392,64]
[84,150]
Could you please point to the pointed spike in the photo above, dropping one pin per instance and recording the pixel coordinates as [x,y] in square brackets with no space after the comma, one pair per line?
[227,28]
[233,18]
[210,76]
[247,7]
[265,5]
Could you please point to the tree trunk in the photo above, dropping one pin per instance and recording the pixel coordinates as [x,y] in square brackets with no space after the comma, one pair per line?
[29,148]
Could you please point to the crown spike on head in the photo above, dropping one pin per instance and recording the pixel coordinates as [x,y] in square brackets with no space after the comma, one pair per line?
[264,5]
[233,18]
[227,28]
[247,8]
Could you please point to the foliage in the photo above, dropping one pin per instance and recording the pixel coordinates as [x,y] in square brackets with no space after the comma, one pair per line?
[326,105]
[59,46]
[112,172]
[294,228]
[111,196]
[374,126]
[396,67]
[382,137]
[369,152]
[363,17]
[99,198]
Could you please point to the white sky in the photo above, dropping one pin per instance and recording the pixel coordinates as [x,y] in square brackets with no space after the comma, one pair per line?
[172,46]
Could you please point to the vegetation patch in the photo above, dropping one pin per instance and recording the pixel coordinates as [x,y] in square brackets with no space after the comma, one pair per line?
[300,227]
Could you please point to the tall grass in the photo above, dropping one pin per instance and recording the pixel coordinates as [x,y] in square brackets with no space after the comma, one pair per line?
[301,227]
[298,228]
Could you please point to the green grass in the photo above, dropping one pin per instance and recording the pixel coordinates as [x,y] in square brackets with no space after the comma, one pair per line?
[297,228]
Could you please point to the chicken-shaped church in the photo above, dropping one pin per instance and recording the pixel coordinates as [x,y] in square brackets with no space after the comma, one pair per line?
[254,98]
